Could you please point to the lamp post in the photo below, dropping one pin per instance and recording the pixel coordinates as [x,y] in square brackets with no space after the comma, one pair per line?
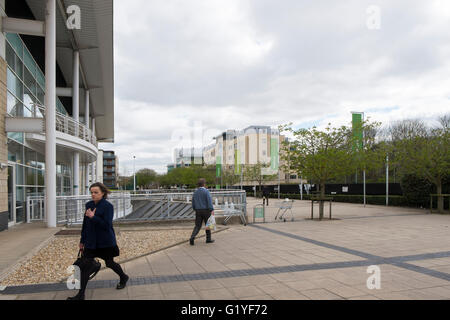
[134,175]
[387,180]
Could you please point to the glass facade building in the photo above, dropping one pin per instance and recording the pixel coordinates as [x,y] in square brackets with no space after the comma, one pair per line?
[25,90]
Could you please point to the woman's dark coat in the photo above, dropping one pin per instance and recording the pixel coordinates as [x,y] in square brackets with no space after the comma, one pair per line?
[97,232]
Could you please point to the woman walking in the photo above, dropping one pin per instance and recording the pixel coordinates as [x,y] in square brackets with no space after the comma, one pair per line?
[98,238]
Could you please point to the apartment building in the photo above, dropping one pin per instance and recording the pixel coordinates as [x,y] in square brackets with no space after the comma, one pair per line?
[252,145]
[110,169]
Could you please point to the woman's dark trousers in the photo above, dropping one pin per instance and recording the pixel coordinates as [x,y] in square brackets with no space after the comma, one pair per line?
[200,216]
[109,263]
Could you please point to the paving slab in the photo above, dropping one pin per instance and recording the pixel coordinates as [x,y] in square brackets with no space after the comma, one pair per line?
[302,259]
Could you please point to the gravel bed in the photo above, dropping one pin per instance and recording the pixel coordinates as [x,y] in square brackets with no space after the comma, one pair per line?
[49,265]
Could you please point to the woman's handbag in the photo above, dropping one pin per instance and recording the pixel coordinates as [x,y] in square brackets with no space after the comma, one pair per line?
[211,223]
[85,263]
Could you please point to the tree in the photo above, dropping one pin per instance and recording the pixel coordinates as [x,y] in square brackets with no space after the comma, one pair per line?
[145,178]
[256,173]
[188,176]
[422,151]
[328,154]
[125,182]
[230,178]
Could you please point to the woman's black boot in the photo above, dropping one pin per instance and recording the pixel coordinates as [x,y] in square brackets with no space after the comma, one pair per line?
[79,296]
[123,282]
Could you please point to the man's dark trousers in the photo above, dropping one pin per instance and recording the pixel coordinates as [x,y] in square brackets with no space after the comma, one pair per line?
[200,216]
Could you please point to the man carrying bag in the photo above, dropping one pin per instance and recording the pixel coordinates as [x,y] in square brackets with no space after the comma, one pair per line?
[203,207]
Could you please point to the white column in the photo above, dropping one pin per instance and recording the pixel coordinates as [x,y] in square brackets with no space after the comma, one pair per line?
[94,164]
[76,117]
[50,116]
[86,178]
[86,109]
[86,123]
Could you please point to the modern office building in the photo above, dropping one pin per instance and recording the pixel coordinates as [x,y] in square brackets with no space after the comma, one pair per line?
[56,100]
[110,169]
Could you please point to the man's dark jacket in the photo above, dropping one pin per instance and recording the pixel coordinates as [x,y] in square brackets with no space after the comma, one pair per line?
[98,232]
[202,200]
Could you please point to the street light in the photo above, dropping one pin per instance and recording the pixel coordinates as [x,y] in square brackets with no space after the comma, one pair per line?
[364,170]
[134,175]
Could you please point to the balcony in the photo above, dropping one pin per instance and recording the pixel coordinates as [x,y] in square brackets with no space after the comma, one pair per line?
[70,134]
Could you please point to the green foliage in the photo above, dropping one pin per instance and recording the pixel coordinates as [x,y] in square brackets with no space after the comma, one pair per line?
[327,155]
[417,190]
[421,151]
[256,174]
[188,176]
[145,178]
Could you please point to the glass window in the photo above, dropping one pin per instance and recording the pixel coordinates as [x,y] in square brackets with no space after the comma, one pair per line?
[16,43]
[29,62]
[10,59]
[40,191]
[20,204]
[15,151]
[14,84]
[29,80]
[13,106]
[67,184]
[40,164]
[40,78]
[14,61]
[19,174]
[60,107]
[40,177]
[28,100]
[30,176]
[40,95]
[30,157]
[18,136]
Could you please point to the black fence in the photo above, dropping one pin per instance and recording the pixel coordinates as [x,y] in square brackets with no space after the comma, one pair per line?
[345,189]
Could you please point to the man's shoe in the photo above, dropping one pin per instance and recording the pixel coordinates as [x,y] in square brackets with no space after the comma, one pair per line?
[77,297]
[122,284]
[210,241]
[191,242]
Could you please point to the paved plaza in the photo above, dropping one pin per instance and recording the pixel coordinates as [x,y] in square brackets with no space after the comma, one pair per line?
[300,259]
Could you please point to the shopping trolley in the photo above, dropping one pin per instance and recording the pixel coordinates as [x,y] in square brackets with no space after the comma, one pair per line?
[232,210]
[283,208]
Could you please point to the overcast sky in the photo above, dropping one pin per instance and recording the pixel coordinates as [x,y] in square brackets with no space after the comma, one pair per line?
[187,70]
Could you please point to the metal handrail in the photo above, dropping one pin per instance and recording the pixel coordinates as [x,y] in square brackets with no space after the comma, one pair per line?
[64,124]
[70,208]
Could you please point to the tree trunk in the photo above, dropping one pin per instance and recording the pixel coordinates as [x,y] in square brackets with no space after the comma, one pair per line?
[440,199]
[321,202]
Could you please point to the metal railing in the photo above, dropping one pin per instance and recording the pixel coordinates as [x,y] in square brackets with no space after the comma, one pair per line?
[140,207]
[70,209]
[64,124]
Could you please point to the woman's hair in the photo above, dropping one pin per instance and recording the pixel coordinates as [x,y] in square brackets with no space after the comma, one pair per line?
[102,187]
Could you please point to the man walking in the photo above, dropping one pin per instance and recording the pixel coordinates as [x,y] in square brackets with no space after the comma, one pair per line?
[266,194]
[203,207]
